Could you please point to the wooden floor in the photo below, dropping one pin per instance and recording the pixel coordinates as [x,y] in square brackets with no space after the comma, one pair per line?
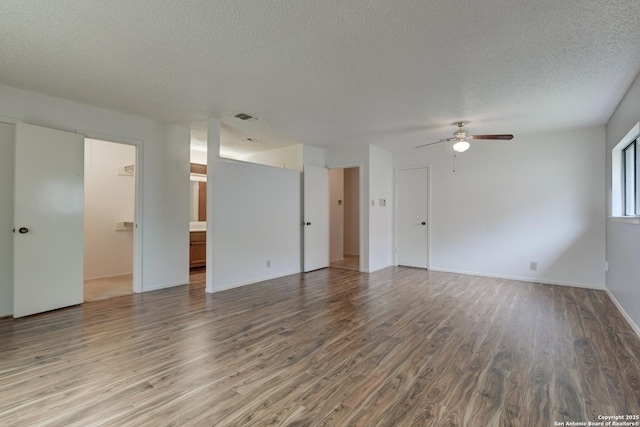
[399,347]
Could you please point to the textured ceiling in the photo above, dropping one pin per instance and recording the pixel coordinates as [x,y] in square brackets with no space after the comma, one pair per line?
[391,73]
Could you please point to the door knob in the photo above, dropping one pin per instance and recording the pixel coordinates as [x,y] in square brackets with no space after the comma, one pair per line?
[423,223]
[308,223]
[23,230]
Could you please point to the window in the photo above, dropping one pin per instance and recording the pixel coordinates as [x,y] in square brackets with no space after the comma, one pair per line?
[630,181]
[625,178]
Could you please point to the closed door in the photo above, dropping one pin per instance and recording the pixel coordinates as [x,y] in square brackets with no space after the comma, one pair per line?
[48,220]
[413,222]
[316,218]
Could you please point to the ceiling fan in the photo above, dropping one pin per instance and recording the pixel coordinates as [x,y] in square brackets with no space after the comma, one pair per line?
[461,135]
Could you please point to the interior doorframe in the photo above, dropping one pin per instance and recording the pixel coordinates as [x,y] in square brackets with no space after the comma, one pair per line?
[395,213]
[138,218]
[361,212]
[139,223]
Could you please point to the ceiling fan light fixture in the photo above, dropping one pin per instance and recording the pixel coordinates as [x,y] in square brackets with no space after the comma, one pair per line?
[460,138]
[461,146]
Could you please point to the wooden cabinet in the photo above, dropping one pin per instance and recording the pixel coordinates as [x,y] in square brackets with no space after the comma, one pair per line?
[198,239]
[198,249]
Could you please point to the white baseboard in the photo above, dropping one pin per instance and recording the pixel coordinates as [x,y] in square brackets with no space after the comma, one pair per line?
[148,288]
[109,276]
[250,282]
[521,279]
[377,268]
[628,318]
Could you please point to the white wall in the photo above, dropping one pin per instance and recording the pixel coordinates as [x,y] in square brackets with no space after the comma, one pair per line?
[535,198]
[108,197]
[166,243]
[7,155]
[198,149]
[198,156]
[164,173]
[213,156]
[314,156]
[380,215]
[351,211]
[256,219]
[623,240]
[286,157]
[336,215]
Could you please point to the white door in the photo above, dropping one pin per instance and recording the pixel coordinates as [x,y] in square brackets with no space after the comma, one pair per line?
[413,222]
[316,217]
[7,155]
[48,219]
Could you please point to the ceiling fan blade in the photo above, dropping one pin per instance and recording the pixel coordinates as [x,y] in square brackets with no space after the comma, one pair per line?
[505,137]
[437,142]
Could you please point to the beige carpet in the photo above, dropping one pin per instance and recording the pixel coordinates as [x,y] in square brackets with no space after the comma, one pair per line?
[350,262]
[108,287]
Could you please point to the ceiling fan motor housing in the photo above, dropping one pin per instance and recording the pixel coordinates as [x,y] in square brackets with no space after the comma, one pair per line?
[460,134]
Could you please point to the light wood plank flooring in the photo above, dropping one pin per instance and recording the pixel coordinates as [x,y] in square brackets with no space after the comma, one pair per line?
[399,347]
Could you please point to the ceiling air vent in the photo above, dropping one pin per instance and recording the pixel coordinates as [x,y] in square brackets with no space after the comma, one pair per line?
[243,116]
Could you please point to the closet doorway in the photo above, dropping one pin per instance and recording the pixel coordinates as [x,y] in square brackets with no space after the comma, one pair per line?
[344,218]
[109,218]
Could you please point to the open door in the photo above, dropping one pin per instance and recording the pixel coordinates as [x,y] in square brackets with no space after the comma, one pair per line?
[7,156]
[48,219]
[316,218]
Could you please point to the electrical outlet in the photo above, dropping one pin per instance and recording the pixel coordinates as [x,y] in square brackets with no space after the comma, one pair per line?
[383,202]
[268,263]
[533,266]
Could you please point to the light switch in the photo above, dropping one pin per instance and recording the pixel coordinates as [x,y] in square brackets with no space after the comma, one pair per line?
[383,202]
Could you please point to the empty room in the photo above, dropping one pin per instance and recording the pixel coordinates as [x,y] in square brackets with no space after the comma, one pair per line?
[330,213]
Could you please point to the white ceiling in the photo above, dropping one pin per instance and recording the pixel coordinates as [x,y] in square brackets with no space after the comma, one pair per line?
[390,73]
